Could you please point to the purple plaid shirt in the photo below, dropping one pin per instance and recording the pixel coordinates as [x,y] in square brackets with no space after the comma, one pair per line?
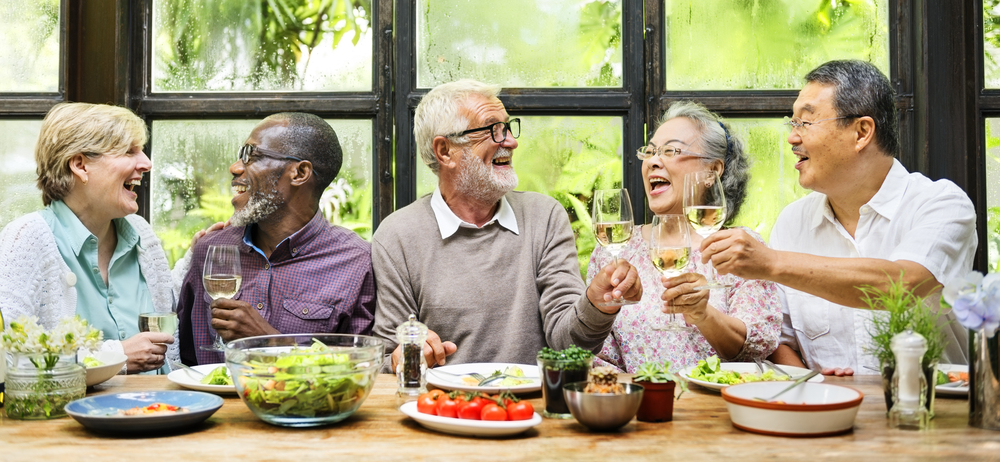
[317,280]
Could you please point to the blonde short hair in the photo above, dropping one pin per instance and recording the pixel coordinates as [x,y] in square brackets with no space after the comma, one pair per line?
[440,114]
[81,128]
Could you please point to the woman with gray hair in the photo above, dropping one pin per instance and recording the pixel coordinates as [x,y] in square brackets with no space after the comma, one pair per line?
[740,322]
[87,253]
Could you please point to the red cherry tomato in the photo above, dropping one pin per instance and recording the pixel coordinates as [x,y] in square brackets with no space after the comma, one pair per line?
[426,404]
[521,410]
[436,394]
[471,410]
[447,407]
[493,412]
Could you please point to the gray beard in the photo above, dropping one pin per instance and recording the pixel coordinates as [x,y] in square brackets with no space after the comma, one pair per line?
[260,205]
[479,182]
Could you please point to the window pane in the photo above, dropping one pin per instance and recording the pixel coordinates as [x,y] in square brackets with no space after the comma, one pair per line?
[991,43]
[520,43]
[774,182]
[17,178]
[729,45]
[566,158]
[236,45]
[993,193]
[191,180]
[29,46]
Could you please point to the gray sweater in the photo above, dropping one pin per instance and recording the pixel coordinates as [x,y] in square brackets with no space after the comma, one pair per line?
[499,296]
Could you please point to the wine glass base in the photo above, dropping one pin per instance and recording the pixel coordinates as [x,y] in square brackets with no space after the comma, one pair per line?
[614,303]
[713,285]
[212,348]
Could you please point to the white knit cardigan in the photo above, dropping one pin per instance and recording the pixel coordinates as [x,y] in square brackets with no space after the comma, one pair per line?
[35,281]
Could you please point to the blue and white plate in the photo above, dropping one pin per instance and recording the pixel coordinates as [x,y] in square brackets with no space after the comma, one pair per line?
[101,413]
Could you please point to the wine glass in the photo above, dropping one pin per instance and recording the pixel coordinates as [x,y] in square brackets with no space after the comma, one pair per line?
[705,208]
[222,278]
[161,319]
[670,251]
[612,218]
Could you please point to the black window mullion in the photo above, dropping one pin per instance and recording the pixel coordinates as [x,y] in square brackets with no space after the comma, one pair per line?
[382,131]
[634,126]
[405,82]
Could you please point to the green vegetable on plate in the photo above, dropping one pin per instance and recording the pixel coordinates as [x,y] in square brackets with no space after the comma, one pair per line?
[218,376]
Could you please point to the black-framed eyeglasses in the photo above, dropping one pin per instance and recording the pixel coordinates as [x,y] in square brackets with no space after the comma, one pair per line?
[666,151]
[796,123]
[249,151]
[497,130]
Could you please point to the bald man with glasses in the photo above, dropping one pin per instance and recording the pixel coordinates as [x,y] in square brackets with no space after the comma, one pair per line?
[300,273]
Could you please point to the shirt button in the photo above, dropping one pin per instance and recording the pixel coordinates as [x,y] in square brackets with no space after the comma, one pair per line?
[295,250]
[121,334]
[305,310]
[266,266]
[97,270]
[260,306]
[111,300]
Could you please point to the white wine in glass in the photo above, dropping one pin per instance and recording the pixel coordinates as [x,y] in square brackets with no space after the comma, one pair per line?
[612,218]
[705,207]
[222,277]
[158,322]
[670,252]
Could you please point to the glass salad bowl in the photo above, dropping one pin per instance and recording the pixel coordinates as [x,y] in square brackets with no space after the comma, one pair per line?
[304,380]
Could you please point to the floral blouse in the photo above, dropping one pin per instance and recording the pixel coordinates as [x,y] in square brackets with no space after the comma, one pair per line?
[633,341]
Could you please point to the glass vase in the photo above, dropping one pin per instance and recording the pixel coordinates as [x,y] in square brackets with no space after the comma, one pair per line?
[39,385]
[984,380]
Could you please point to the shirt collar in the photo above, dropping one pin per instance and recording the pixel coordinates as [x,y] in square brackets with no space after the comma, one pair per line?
[448,222]
[885,202]
[78,234]
[295,242]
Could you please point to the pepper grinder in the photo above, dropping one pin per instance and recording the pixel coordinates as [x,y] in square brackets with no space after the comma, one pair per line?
[412,366]
[909,386]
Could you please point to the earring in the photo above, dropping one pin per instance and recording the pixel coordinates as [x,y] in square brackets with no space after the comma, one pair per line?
[84,181]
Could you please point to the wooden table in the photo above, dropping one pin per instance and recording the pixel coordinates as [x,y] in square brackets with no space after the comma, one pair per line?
[378,431]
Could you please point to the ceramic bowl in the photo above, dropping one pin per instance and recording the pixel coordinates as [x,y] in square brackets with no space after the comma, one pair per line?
[293,381]
[810,409]
[113,362]
[602,411]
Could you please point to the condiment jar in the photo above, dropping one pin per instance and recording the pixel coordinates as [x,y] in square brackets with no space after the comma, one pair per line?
[909,385]
[412,366]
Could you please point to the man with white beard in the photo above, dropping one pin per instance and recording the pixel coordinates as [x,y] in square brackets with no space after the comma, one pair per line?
[300,273]
[492,272]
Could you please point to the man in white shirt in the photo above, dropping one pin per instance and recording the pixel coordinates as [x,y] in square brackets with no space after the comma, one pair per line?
[867,220]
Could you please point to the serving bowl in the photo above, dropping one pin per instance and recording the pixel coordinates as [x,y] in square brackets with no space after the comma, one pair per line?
[810,409]
[602,411]
[304,380]
[113,362]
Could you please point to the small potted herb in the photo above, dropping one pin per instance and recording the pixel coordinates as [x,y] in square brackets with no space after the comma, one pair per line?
[558,368]
[659,385]
[896,310]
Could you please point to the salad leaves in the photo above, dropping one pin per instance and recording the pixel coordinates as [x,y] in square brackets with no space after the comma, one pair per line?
[218,376]
[710,370]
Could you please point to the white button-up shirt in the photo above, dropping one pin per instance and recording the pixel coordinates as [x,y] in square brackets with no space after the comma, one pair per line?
[932,223]
[448,222]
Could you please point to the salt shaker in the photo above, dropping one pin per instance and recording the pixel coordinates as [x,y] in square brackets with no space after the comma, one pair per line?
[909,385]
[412,366]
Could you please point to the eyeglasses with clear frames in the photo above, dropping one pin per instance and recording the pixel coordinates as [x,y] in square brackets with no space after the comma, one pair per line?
[795,123]
[248,151]
[498,130]
[666,151]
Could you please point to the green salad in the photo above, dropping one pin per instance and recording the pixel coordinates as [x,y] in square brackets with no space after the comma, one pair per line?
[305,385]
[91,361]
[218,376]
[710,370]
[512,380]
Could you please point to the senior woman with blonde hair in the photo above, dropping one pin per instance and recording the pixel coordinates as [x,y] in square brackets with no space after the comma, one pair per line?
[737,323]
[86,252]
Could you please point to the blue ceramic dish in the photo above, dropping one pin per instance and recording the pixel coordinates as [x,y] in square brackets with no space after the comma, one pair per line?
[101,413]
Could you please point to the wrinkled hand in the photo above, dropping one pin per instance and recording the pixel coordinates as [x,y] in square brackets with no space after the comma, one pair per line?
[733,251]
[236,319]
[617,280]
[681,297]
[204,232]
[837,371]
[435,351]
[146,351]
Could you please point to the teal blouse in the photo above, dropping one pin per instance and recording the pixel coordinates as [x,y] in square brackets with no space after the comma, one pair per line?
[113,307]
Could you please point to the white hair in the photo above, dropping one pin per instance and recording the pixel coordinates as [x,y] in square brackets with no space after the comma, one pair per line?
[440,114]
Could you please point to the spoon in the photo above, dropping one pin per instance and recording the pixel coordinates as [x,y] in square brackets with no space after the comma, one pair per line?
[798,381]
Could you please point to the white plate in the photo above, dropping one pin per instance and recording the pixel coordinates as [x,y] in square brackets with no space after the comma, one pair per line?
[745,367]
[469,427]
[112,360]
[188,380]
[449,382]
[952,390]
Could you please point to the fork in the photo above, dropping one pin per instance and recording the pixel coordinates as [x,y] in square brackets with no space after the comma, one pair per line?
[776,368]
[479,377]
[178,364]
[494,378]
